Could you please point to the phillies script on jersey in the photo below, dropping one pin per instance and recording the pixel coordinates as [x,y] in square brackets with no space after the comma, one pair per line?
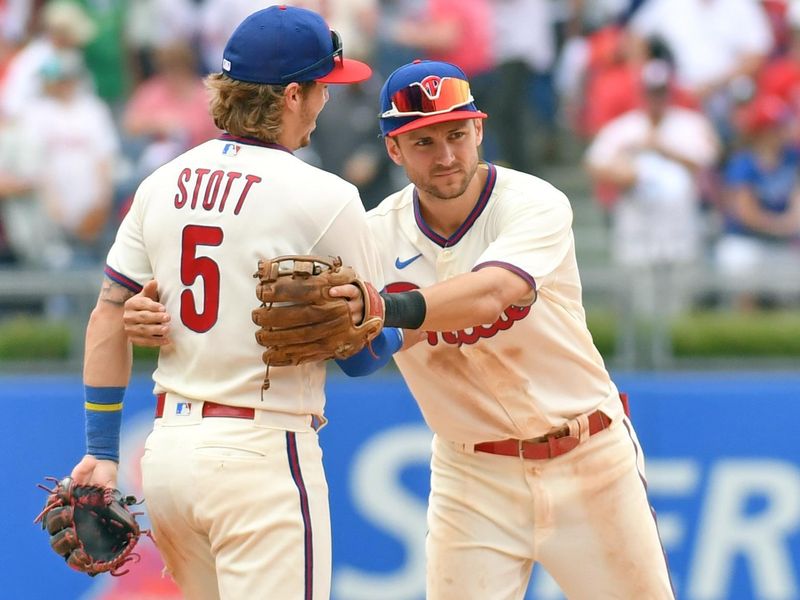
[510,315]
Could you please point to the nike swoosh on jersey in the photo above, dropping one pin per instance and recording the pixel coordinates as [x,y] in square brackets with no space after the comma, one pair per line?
[402,264]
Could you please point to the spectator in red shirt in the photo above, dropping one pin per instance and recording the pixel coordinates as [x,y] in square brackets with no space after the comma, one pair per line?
[169,109]
[172,102]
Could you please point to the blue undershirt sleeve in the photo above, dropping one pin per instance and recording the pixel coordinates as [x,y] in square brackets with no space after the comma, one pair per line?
[388,341]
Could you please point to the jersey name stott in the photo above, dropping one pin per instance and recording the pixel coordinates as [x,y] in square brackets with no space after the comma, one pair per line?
[510,315]
[212,188]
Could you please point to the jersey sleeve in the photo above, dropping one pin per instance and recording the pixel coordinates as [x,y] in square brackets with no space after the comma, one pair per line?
[350,237]
[533,235]
[127,263]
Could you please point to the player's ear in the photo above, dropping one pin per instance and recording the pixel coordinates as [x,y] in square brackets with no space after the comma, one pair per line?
[393,149]
[292,97]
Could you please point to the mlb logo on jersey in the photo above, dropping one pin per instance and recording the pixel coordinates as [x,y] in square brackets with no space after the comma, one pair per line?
[183,409]
[231,149]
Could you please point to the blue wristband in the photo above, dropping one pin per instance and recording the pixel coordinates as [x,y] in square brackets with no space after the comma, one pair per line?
[103,420]
[389,341]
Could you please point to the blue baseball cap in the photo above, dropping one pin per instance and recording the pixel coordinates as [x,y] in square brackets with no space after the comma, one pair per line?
[423,93]
[282,44]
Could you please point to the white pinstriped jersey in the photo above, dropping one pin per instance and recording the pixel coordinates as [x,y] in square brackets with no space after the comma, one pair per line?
[199,225]
[537,365]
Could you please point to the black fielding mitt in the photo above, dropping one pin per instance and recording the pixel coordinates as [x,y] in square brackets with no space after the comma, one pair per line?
[90,526]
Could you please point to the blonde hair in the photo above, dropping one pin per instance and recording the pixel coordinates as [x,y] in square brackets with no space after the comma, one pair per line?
[248,109]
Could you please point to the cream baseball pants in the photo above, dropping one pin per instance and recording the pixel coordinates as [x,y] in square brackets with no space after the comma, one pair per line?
[239,507]
[583,515]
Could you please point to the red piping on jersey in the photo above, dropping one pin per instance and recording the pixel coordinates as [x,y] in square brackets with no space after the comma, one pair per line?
[227,137]
[508,267]
[483,200]
[119,278]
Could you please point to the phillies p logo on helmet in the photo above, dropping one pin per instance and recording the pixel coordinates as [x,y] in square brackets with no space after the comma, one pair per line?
[431,86]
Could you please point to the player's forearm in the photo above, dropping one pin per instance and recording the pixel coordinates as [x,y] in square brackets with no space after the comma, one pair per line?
[467,300]
[471,299]
[106,371]
[107,357]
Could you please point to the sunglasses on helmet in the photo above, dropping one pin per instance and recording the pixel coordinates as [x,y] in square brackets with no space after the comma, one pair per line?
[431,97]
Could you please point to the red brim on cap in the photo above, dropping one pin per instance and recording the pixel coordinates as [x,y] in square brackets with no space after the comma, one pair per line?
[347,71]
[457,115]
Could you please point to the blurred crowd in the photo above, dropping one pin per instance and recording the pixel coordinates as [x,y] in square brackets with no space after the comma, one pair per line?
[686,109]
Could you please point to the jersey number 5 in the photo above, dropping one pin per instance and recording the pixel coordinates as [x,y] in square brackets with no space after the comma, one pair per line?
[192,267]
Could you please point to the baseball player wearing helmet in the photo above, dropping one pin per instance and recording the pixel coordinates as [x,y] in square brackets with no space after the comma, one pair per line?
[233,479]
[534,459]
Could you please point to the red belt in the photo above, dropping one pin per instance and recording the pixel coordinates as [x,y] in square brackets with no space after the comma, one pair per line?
[212,409]
[549,446]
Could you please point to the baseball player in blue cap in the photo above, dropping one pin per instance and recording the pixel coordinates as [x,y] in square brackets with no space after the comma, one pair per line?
[234,482]
[534,458]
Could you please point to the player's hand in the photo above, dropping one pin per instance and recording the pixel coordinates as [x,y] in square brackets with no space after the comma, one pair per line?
[94,471]
[351,293]
[146,319]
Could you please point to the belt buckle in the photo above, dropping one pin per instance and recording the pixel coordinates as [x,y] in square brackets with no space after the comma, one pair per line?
[520,449]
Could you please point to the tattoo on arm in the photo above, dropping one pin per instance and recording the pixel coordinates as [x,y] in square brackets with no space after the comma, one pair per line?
[114,293]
